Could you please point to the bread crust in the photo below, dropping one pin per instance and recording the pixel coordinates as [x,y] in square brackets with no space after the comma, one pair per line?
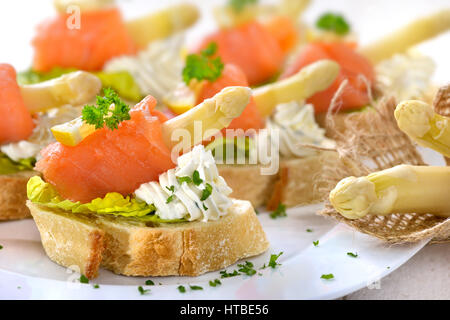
[13,195]
[292,185]
[130,247]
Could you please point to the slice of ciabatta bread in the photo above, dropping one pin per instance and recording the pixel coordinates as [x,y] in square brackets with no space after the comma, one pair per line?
[134,248]
[13,195]
[292,185]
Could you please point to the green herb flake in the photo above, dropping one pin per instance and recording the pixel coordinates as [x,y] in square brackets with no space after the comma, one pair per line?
[182,289]
[247,268]
[171,188]
[149,283]
[316,243]
[196,288]
[215,283]
[239,5]
[196,178]
[103,115]
[1,247]
[205,207]
[353,255]
[309,230]
[206,192]
[84,279]
[169,199]
[333,22]
[273,260]
[203,66]
[143,291]
[184,179]
[256,211]
[327,276]
[225,274]
[96,286]
[279,212]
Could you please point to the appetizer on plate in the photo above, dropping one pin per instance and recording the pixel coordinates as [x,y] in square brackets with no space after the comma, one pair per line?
[92,41]
[28,113]
[129,203]
[248,152]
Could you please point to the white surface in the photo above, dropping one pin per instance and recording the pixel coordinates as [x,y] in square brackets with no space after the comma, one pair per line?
[424,276]
[26,272]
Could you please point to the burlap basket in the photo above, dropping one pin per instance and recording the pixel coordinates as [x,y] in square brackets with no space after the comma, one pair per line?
[371,142]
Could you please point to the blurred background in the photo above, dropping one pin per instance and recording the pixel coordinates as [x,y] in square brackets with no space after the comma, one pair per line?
[369,19]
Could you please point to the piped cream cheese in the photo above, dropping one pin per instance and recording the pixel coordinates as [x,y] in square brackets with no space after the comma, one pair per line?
[296,126]
[193,190]
[406,76]
[156,69]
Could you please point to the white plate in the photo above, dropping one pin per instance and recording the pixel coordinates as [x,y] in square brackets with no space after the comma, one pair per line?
[26,272]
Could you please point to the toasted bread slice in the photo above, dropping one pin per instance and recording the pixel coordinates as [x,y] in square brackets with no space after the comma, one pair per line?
[292,185]
[13,195]
[131,247]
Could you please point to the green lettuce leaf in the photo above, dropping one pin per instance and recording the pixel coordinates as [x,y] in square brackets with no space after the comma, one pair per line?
[44,194]
[122,82]
[8,166]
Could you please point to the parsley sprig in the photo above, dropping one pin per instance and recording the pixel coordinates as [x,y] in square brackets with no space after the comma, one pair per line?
[333,22]
[239,5]
[203,66]
[109,111]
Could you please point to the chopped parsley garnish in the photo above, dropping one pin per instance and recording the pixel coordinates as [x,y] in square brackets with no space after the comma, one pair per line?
[182,289]
[103,114]
[1,247]
[309,230]
[225,274]
[196,178]
[215,283]
[333,22]
[96,286]
[327,276]
[203,66]
[273,260]
[143,291]
[169,199]
[205,207]
[247,268]
[196,288]
[184,179]
[206,192]
[316,243]
[239,5]
[353,255]
[84,279]
[279,212]
[171,188]
[149,283]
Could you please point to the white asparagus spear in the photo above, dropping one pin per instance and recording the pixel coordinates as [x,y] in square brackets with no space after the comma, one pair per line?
[404,38]
[315,77]
[212,114]
[401,189]
[73,88]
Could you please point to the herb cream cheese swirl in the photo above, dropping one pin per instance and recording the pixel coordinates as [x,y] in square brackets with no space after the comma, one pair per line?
[296,126]
[193,190]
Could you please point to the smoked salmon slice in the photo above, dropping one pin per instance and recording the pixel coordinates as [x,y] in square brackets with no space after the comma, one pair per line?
[232,75]
[354,67]
[101,36]
[16,122]
[251,47]
[110,160]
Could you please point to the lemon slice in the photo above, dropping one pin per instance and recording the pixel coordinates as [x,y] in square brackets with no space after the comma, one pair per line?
[73,132]
[180,100]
